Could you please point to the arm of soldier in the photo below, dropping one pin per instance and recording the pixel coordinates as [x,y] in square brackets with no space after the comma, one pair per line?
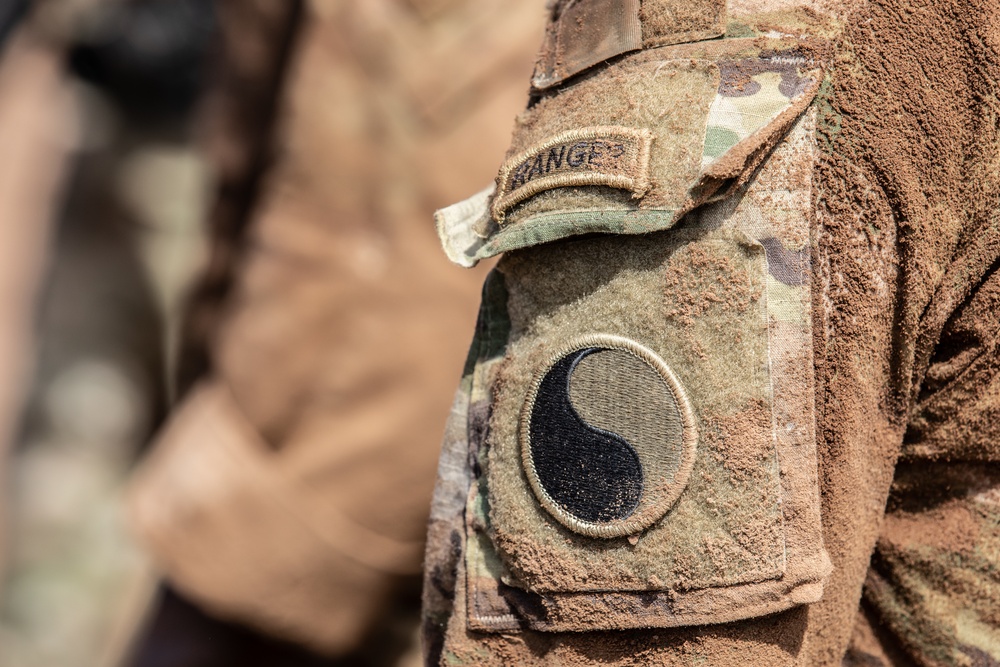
[881,250]
[264,500]
[931,588]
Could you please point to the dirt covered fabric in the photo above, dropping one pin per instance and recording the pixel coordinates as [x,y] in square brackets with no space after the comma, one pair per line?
[716,109]
[905,243]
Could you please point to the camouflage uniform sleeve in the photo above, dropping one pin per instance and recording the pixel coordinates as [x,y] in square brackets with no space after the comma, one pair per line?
[932,589]
[634,454]
[747,270]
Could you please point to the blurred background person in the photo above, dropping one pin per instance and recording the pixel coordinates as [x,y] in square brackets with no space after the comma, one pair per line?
[227,205]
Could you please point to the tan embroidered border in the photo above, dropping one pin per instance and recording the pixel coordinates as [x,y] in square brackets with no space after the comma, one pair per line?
[551,165]
[648,513]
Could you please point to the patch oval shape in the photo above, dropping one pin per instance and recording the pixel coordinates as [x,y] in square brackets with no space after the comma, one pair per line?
[608,437]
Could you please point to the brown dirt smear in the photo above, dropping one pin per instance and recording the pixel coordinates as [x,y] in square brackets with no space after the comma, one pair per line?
[905,197]
[696,288]
[744,458]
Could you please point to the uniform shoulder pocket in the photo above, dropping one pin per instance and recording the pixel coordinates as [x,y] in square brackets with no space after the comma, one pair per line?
[649,456]
[633,150]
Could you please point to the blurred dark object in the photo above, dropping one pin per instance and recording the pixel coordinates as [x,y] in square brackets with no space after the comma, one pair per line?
[102,204]
[182,634]
[241,112]
[11,12]
[149,55]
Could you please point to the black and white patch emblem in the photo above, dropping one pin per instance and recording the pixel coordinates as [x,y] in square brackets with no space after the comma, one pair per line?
[607,437]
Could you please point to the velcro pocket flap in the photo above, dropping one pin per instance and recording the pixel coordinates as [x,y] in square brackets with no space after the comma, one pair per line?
[634,147]
[650,456]
[575,41]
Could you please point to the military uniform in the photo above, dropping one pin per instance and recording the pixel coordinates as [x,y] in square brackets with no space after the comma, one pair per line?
[730,398]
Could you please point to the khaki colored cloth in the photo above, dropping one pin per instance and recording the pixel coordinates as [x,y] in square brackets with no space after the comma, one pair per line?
[292,486]
[900,259]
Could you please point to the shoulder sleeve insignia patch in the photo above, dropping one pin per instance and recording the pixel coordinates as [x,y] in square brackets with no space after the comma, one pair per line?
[608,437]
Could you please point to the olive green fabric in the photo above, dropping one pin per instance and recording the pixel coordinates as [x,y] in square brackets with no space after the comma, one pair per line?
[596,390]
[631,295]
[583,33]
[674,21]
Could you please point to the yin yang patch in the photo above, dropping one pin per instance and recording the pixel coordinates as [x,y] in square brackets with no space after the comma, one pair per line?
[607,436]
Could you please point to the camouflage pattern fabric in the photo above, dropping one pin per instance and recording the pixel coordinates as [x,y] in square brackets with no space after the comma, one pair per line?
[881,277]
[746,102]
[934,576]
[497,599]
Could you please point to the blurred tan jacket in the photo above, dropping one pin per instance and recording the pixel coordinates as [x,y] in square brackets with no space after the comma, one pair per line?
[292,487]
